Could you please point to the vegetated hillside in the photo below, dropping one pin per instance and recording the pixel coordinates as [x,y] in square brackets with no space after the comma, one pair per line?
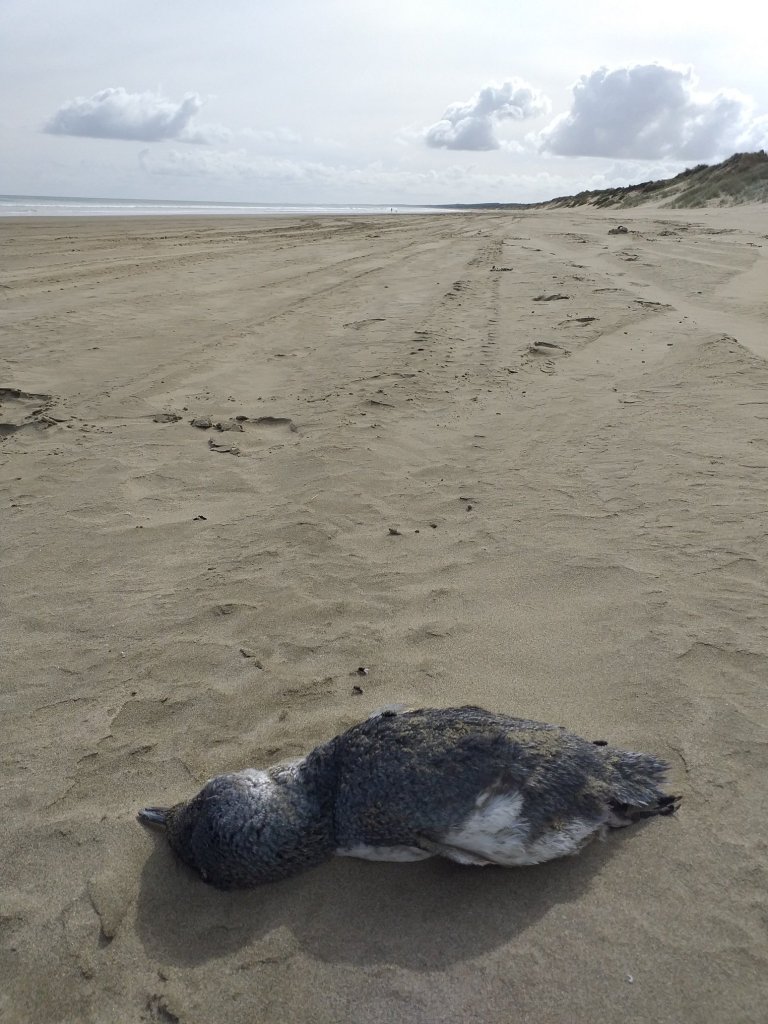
[742,178]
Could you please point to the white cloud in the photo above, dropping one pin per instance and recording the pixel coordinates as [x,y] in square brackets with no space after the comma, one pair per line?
[472,125]
[229,165]
[754,135]
[316,178]
[237,173]
[272,136]
[136,116]
[652,112]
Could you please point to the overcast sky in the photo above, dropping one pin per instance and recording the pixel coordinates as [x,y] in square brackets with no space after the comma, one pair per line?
[380,101]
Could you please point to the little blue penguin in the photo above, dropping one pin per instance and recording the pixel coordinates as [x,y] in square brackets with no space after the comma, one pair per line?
[463,783]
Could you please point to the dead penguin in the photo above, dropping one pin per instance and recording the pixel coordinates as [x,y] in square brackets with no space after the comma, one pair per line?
[462,783]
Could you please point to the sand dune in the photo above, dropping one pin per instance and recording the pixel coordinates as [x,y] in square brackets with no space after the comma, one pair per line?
[580,486]
[742,178]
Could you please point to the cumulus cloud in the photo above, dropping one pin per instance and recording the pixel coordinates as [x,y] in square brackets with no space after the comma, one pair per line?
[652,112]
[136,116]
[755,134]
[472,125]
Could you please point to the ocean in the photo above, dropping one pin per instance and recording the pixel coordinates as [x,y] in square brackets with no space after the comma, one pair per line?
[79,206]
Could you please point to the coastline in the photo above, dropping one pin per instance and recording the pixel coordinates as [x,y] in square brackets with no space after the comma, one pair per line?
[28,207]
[578,482]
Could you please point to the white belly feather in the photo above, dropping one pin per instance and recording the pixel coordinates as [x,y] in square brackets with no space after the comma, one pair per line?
[399,853]
[495,833]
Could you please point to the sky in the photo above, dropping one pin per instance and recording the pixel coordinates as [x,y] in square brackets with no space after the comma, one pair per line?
[372,101]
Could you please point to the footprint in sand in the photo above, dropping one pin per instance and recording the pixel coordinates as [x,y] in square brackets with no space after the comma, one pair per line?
[578,321]
[550,351]
[537,348]
[145,718]
[259,432]
[358,325]
[20,409]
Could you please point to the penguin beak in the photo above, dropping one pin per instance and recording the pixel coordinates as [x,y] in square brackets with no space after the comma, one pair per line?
[153,817]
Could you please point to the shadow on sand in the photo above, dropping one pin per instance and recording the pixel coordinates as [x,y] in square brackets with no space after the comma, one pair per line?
[425,915]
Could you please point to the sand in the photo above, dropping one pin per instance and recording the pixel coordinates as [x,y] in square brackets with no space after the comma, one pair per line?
[580,486]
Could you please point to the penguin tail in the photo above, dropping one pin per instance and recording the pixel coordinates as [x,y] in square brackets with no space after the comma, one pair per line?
[636,781]
[627,814]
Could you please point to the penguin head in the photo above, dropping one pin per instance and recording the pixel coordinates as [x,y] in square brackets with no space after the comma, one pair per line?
[217,832]
[247,828]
